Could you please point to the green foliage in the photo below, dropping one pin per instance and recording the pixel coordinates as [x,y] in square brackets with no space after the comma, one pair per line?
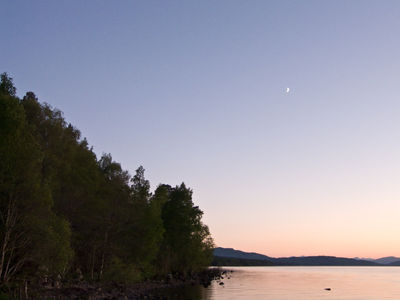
[57,253]
[187,244]
[6,85]
[62,209]
[31,235]
[120,271]
[5,297]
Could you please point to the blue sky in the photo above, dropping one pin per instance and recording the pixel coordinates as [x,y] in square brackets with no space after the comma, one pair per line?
[195,91]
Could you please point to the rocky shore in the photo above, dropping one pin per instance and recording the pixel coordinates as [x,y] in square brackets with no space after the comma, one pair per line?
[144,290]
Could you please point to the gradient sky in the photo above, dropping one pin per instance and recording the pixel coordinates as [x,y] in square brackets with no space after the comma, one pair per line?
[195,91]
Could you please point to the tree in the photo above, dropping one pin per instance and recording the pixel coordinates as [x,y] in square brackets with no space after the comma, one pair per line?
[28,226]
[187,244]
[146,229]
[140,187]
[6,85]
[115,199]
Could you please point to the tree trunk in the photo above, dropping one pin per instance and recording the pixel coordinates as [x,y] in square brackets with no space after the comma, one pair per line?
[26,289]
[8,226]
[93,263]
[104,253]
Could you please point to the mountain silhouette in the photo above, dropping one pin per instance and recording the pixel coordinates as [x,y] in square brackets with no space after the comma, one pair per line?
[232,257]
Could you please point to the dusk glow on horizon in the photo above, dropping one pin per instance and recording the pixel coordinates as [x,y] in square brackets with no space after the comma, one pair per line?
[282,116]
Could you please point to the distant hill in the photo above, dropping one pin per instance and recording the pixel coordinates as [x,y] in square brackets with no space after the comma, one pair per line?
[385,260]
[232,261]
[224,256]
[322,261]
[395,263]
[230,252]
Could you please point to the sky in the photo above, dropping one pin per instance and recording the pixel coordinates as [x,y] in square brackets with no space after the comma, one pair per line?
[195,91]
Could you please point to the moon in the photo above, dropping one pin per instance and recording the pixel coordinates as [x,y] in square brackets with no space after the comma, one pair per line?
[287,90]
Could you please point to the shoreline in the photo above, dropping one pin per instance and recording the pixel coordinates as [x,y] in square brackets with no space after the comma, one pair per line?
[142,290]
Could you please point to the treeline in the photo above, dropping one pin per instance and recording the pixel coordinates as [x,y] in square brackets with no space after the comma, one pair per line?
[64,213]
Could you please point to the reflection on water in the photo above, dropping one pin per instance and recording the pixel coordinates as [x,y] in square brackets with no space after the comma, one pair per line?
[189,292]
[278,283]
[309,283]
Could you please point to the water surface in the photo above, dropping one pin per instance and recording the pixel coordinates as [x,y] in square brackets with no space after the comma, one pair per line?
[279,283]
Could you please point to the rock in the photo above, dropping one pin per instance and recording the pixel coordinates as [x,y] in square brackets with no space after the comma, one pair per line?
[327,289]
[79,274]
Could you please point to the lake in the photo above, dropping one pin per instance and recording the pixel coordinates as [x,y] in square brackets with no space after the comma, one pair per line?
[298,283]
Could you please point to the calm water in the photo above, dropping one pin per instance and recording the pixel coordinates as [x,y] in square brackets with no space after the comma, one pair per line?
[304,283]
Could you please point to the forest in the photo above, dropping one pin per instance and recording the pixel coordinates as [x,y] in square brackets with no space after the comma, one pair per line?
[66,214]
